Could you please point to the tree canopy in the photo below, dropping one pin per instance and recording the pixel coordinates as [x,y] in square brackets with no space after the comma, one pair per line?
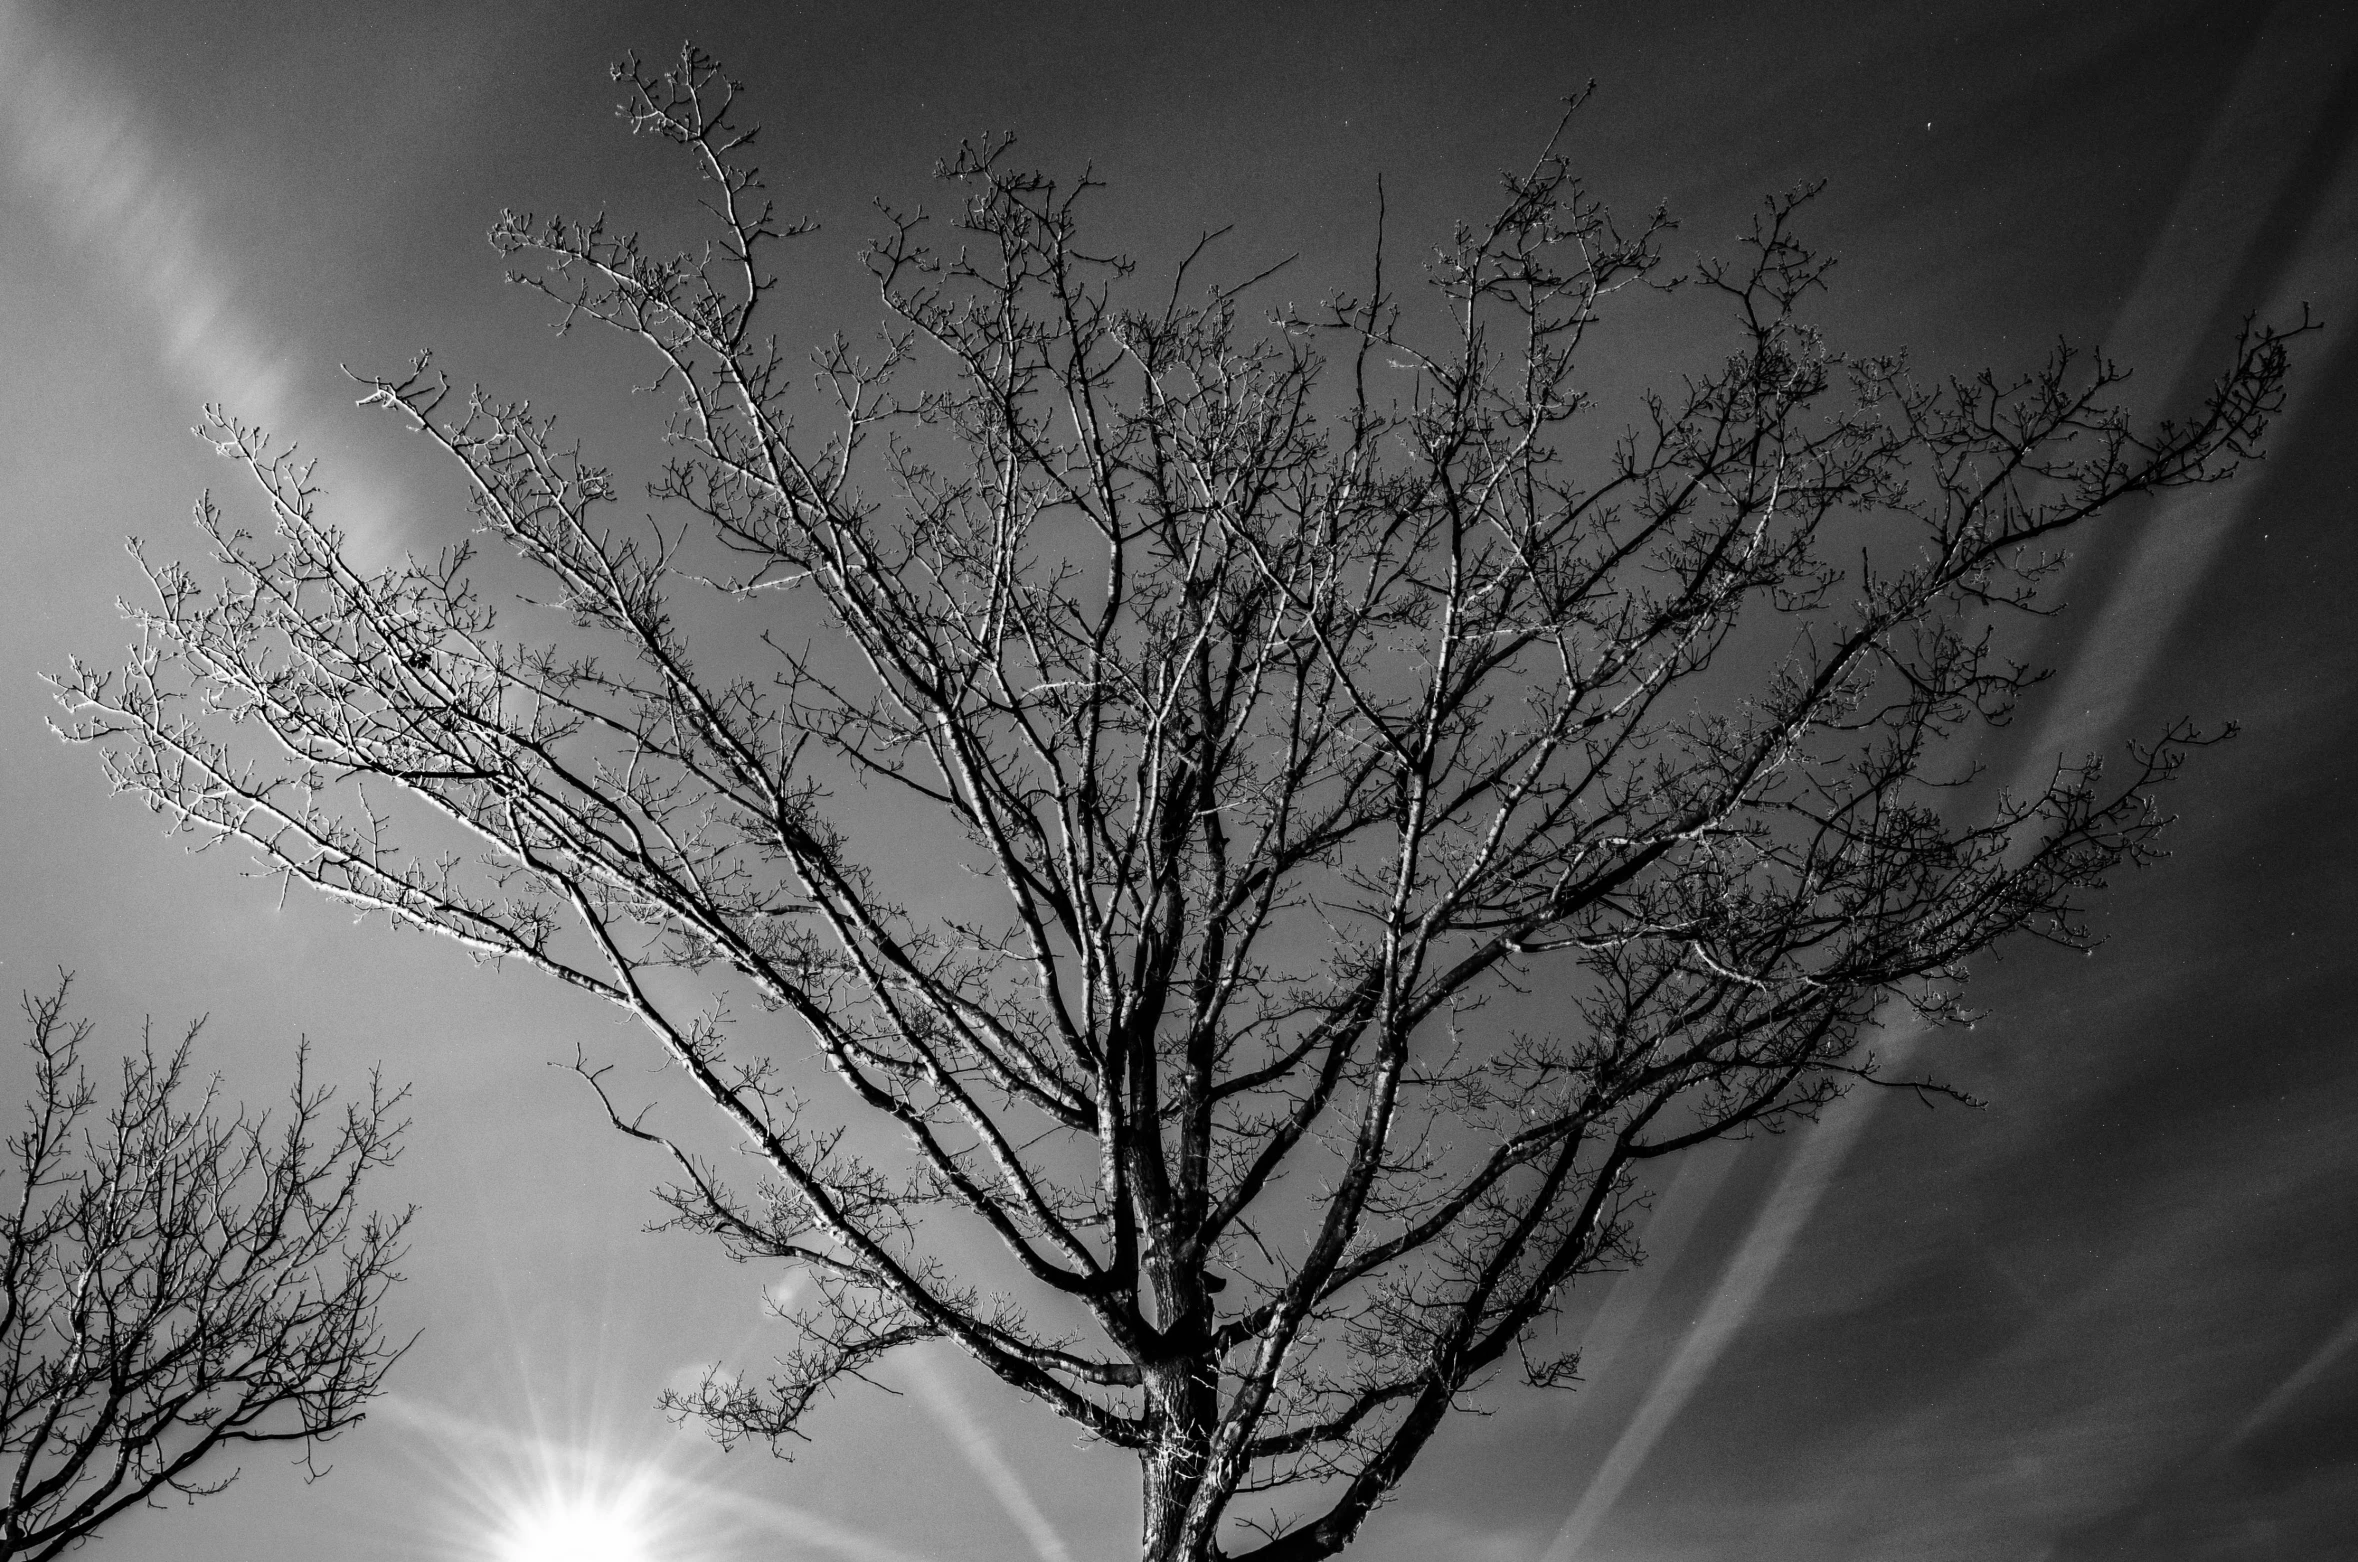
[176,1283]
[1296,686]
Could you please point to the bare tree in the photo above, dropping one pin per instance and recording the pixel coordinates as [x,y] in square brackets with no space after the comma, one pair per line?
[174,1282]
[1295,684]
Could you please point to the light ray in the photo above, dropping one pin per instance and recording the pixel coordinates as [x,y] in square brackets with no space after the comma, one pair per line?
[504,1481]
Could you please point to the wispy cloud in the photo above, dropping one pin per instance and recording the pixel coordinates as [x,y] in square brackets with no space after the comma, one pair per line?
[2132,627]
[1746,1277]
[2335,1346]
[91,159]
[940,1397]
[1667,1231]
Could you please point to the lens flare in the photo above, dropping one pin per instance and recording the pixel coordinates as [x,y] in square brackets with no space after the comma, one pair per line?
[576,1528]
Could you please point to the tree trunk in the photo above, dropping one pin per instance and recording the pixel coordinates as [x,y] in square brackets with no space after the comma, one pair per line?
[1166,1489]
[1185,1400]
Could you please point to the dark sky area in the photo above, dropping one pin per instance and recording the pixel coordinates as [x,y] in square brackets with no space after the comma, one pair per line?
[2113,1315]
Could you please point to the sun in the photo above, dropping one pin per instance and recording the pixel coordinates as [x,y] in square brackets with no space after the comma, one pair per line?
[575,1529]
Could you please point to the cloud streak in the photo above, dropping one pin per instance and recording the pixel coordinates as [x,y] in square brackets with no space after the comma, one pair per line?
[2132,627]
[90,160]
[1779,1225]
[982,1453]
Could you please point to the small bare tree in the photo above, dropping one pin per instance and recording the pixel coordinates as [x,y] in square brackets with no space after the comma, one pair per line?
[1294,685]
[174,1282]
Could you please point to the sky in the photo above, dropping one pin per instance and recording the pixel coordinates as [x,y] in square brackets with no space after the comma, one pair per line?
[2112,1315]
